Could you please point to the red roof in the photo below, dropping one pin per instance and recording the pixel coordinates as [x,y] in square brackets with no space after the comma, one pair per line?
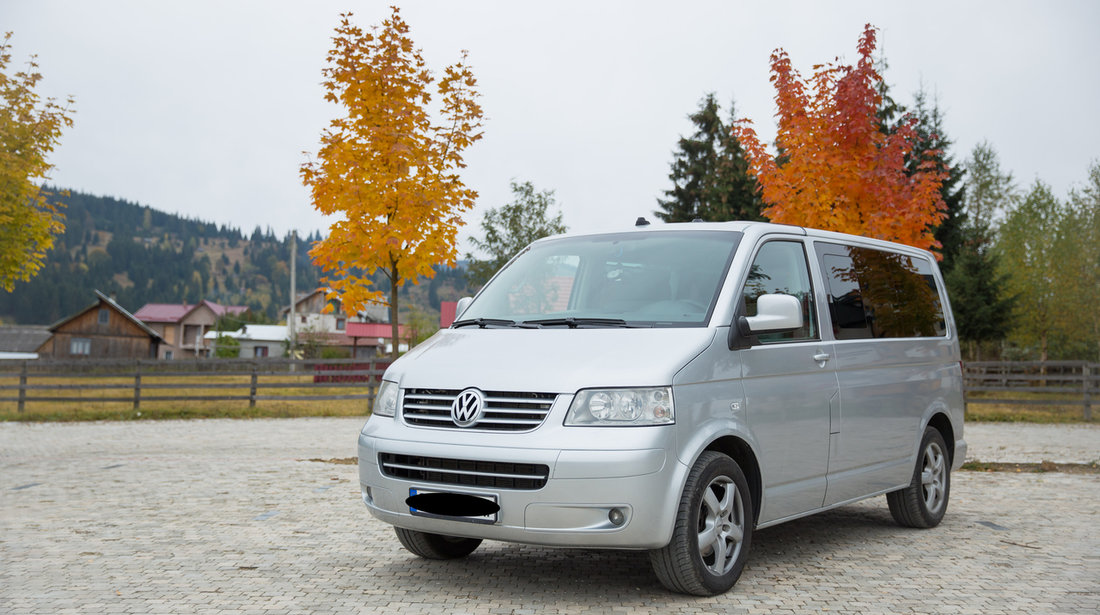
[161,312]
[175,312]
[373,329]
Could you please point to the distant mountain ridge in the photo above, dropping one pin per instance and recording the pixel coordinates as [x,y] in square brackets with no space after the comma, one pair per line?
[141,255]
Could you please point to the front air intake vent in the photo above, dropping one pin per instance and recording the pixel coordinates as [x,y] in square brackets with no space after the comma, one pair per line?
[465,472]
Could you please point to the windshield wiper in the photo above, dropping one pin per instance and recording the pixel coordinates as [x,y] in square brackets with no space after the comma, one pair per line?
[483,323]
[574,323]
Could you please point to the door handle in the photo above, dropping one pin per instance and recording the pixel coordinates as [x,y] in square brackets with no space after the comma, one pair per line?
[821,358]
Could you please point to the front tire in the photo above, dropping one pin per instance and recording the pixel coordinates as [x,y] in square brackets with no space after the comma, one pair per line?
[923,503]
[436,546]
[713,531]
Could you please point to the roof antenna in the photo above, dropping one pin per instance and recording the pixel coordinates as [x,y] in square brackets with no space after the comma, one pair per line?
[641,221]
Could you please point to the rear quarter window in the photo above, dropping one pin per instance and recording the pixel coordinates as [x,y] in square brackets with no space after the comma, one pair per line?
[880,294]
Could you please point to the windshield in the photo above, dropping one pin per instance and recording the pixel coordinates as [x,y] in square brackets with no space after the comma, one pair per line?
[668,278]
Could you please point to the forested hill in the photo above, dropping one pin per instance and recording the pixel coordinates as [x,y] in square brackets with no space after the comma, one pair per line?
[142,255]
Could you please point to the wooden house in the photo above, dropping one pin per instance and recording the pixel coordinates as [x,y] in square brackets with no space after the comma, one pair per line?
[103,330]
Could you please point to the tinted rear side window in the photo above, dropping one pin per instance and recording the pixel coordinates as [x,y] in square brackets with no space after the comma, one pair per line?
[880,294]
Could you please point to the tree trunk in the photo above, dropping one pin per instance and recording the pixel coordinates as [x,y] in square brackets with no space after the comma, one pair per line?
[393,314]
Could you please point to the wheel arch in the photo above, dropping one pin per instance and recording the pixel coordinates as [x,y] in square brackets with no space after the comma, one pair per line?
[740,451]
[942,423]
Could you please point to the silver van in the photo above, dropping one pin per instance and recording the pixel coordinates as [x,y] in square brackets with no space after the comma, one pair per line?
[673,389]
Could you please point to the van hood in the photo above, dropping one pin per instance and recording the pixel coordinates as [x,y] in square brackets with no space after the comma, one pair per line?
[549,360]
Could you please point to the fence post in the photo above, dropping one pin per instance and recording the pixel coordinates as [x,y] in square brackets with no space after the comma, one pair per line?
[137,385]
[23,387]
[252,390]
[1086,382]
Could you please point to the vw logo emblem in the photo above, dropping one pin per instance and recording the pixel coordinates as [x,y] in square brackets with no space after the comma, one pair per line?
[467,408]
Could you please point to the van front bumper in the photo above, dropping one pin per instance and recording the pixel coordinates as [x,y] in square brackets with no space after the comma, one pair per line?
[632,473]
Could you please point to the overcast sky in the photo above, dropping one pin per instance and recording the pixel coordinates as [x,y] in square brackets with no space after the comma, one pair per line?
[204,108]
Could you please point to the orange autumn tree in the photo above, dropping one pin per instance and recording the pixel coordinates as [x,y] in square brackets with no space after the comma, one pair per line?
[837,169]
[389,169]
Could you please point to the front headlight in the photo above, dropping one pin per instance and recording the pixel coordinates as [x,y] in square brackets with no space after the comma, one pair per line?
[622,407]
[385,400]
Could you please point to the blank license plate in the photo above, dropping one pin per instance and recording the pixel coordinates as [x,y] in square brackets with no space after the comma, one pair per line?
[470,507]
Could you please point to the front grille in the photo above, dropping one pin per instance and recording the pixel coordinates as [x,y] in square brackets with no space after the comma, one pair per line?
[493,474]
[504,411]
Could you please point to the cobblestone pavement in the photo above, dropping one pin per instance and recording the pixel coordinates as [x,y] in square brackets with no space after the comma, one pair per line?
[230,516]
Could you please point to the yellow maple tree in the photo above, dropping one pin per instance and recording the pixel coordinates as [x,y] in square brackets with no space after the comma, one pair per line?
[389,169]
[29,130]
[836,169]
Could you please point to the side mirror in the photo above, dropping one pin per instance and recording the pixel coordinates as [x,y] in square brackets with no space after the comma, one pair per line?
[463,303]
[774,313]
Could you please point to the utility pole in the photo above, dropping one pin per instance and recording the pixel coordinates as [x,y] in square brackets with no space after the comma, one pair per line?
[293,292]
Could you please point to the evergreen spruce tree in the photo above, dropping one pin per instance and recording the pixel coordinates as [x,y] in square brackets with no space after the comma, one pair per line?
[931,138]
[982,311]
[710,175]
[889,111]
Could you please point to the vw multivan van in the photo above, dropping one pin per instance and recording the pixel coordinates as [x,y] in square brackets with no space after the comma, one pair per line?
[672,389]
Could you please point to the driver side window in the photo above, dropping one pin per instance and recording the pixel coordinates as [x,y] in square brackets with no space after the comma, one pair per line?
[780,267]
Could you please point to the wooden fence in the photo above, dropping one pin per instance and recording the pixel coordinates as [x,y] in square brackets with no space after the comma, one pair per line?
[1051,383]
[1067,383]
[138,381]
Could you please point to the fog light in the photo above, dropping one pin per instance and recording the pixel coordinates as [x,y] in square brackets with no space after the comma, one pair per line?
[616,516]
[367,498]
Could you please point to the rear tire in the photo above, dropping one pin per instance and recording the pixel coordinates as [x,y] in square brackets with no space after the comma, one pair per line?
[923,503]
[436,546]
[713,531]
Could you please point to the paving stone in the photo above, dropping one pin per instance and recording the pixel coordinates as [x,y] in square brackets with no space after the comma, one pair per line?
[228,517]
